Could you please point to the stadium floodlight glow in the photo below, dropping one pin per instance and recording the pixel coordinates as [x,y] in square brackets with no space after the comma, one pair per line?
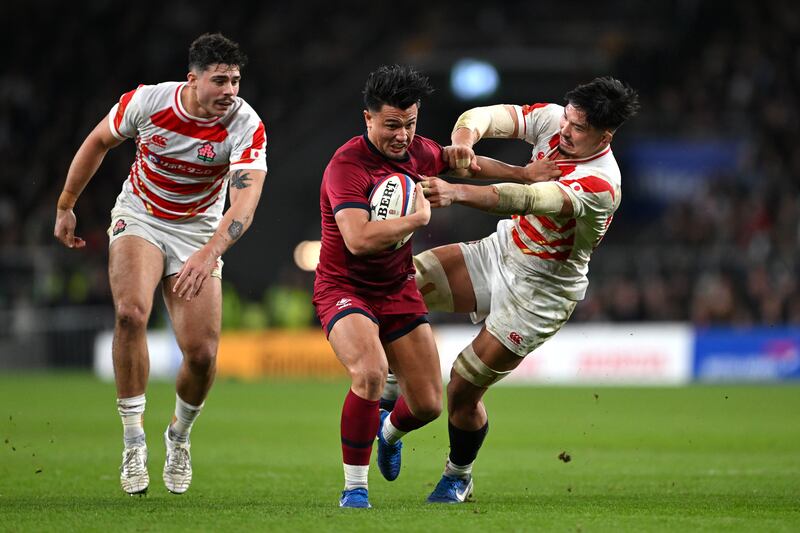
[471,79]
[306,255]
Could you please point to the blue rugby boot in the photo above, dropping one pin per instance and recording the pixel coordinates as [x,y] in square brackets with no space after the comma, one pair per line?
[452,490]
[389,455]
[355,499]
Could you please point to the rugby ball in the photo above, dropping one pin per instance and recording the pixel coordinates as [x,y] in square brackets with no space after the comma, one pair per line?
[393,197]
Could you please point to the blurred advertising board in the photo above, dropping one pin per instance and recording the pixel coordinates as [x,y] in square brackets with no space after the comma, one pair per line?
[613,354]
[757,354]
[580,354]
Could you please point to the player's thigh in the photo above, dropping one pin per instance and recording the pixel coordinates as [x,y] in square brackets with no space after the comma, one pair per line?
[196,322]
[414,359]
[455,268]
[494,353]
[135,267]
[355,341]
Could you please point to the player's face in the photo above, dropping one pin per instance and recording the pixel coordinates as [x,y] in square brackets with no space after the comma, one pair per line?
[578,138]
[392,129]
[215,88]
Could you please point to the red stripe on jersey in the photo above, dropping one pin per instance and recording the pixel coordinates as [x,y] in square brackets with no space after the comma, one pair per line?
[124,100]
[170,210]
[258,143]
[169,120]
[534,235]
[592,184]
[180,167]
[528,109]
[550,224]
[557,256]
[170,185]
[554,140]
[177,206]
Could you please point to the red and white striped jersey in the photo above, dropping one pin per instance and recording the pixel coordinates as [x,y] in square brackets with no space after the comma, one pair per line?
[558,249]
[182,162]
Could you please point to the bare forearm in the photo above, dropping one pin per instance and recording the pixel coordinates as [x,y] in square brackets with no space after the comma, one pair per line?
[245,191]
[377,235]
[84,165]
[234,224]
[492,169]
[477,196]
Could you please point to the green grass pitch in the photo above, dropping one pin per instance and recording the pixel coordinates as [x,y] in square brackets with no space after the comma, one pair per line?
[267,458]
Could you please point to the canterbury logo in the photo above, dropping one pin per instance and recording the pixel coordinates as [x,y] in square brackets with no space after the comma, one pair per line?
[515,337]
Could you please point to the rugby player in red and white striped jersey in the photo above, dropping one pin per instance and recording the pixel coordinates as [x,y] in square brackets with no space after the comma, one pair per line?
[194,139]
[526,278]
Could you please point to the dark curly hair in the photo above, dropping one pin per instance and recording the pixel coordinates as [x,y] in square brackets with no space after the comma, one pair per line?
[214,48]
[607,102]
[399,86]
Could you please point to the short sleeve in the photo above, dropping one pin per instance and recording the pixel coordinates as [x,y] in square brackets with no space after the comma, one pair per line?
[249,152]
[125,118]
[347,185]
[539,120]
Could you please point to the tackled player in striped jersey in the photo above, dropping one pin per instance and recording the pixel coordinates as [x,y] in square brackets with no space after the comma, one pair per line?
[194,140]
[527,277]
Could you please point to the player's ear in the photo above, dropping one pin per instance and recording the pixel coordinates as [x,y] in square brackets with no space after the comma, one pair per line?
[607,136]
[367,118]
[191,77]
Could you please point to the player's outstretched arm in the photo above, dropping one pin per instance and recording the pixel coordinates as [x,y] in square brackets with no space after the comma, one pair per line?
[363,236]
[245,192]
[84,165]
[492,169]
[502,199]
[498,121]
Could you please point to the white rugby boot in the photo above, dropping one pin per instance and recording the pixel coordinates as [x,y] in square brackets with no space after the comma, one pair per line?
[177,466]
[133,474]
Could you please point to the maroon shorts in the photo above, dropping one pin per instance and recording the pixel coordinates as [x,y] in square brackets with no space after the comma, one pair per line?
[396,313]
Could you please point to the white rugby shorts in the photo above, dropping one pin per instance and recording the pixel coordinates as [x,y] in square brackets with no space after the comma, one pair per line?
[177,241]
[521,309]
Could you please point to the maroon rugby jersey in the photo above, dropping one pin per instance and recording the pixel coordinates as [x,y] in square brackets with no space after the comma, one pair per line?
[354,170]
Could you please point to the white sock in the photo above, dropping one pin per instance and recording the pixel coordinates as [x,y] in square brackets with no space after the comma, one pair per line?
[457,471]
[355,476]
[131,410]
[185,415]
[390,433]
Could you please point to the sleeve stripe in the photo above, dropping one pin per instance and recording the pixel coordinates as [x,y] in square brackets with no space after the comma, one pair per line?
[350,205]
[257,143]
[124,100]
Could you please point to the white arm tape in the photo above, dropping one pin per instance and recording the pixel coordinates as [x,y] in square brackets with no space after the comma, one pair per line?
[489,121]
[543,198]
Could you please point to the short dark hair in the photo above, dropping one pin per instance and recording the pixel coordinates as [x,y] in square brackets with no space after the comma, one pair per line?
[214,48]
[607,102]
[399,86]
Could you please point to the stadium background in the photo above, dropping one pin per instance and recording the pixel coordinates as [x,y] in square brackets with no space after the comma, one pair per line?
[707,234]
[702,258]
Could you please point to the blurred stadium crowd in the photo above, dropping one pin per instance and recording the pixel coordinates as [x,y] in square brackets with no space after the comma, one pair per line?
[724,249]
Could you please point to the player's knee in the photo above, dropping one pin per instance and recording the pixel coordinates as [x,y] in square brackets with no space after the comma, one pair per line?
[368,381]
[131,315]
[432,282]
[428,409]
[200,356]
[474,372]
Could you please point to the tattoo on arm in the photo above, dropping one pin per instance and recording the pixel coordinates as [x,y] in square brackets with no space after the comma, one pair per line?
[235,229]
[240,179]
